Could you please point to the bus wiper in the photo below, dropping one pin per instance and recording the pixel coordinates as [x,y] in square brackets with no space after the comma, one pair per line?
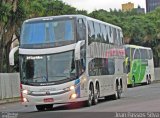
[38,77]
[71,78]
[59,76]
[43,77]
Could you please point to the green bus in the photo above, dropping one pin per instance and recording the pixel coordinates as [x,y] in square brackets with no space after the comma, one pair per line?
[139,65]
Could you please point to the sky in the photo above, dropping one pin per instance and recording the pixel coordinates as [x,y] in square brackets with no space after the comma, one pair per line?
[91,5]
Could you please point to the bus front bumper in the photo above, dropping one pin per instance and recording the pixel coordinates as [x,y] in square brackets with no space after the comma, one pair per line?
[68,97]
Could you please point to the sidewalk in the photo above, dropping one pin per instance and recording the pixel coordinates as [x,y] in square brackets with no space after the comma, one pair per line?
[9,100]
[156,81]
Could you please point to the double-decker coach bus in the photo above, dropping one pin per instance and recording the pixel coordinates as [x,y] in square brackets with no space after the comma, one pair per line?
[70,58]
[139,65]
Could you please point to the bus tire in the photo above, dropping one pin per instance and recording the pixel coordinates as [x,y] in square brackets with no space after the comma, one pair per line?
[118,91]
[117,95]
[133,81]
[96,94]
[149,79]
[90,96]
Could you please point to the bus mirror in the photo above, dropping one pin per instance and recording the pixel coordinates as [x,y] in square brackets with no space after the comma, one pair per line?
[11,55]
[78,48]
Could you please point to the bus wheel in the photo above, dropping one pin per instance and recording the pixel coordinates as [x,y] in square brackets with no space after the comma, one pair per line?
[117,95]
[91,95]
[96,94]
[149,79]
[40,107]
[133,81]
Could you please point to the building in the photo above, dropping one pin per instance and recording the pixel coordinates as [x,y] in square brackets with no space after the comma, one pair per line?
[140,10]
[127,6]
[152,4]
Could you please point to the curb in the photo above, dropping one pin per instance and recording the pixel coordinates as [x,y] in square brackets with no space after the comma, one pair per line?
[9,100]
[156,81]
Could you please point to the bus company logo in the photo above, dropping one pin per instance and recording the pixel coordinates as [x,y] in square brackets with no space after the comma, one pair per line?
[34,57]
[115,52]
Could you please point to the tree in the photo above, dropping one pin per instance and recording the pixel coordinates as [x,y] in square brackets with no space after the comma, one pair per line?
[139,29]
[14,12]
[11,17]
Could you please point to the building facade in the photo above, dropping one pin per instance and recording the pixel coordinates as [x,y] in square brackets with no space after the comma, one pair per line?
[152,5]
[127,6]
[140,10]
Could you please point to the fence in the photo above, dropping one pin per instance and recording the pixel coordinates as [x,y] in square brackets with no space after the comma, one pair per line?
[157,73]
[9,85]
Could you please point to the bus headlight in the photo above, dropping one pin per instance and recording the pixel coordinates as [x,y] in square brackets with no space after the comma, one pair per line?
[25,100]
[26,92]
[73,96]
[72,88]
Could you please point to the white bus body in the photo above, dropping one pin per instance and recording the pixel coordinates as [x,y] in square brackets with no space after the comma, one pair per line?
[90,49]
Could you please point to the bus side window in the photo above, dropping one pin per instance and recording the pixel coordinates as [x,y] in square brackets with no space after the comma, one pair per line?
[91,32]
[104,34]
[107,34]
[80,67]
[137,54]
[91,68]
[110,35]
[126,64]
[119,37]
[150,55]
[116,42]
[81,29]
[111,66]
[97,32]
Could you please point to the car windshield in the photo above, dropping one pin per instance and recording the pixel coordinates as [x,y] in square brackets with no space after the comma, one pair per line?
[47,68]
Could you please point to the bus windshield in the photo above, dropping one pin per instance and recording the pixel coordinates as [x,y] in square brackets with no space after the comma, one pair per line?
[47,68]
[47,32]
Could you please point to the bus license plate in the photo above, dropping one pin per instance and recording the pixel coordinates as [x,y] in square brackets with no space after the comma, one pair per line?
[48,100]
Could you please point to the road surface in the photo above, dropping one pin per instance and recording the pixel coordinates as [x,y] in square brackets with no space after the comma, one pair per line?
[138,99]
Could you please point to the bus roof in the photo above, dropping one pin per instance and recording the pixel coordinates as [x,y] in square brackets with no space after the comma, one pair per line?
[136,46]
[70,16]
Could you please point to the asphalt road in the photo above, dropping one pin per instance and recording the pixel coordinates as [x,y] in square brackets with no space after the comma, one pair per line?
[138,99]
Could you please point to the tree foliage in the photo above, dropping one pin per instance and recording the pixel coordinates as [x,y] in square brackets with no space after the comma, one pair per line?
[138,29]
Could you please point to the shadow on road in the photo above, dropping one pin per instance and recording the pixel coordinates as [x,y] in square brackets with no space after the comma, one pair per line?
[77,105]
